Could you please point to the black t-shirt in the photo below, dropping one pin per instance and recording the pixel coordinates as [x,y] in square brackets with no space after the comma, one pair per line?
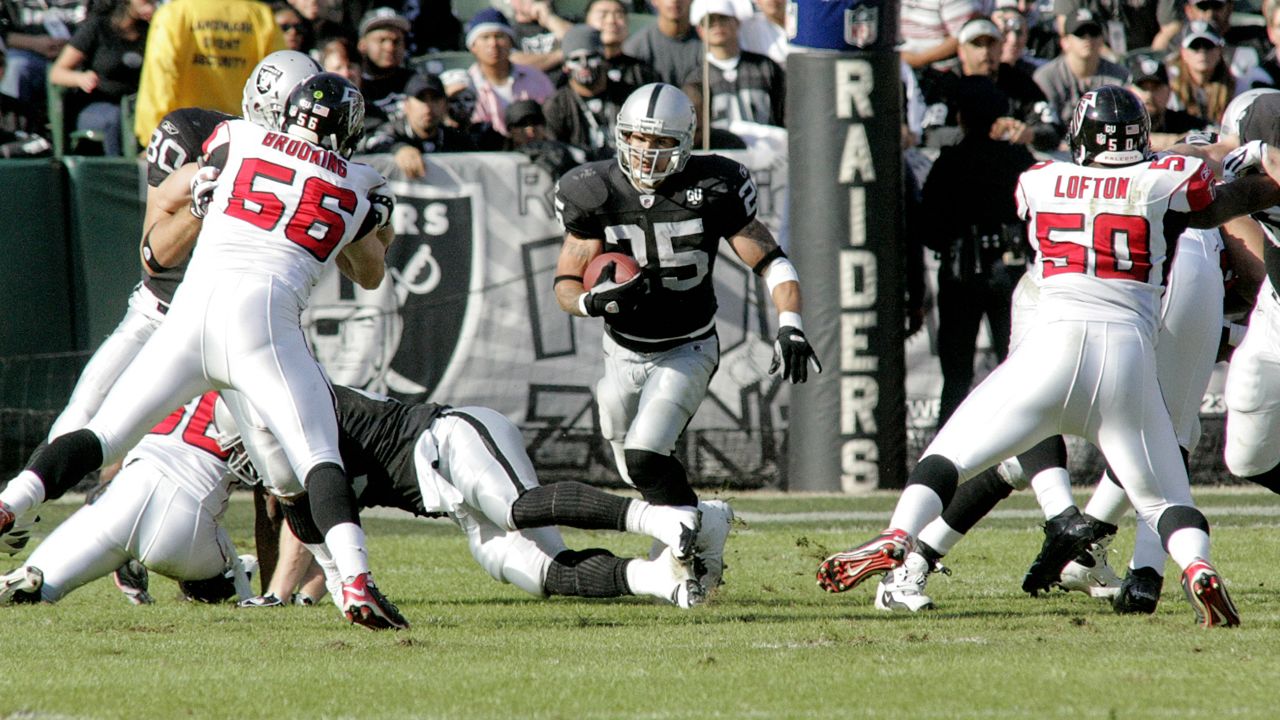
[756,93]
[396,134]
[1027,102]
[176,141]
[377,438]
[630,71]
[586,123]
[970,189]
[117,61]
[676,232]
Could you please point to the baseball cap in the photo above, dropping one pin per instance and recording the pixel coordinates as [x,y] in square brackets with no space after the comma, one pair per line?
[1210,4]
[1201,30]
[580,39]
[524,112]
[1082,20]
[424,84]
[383,17]
[488,20]
[702,8]
[1144,68]
[455,76]
[979,27]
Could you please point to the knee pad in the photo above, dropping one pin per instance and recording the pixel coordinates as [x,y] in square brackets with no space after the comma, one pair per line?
[298,514]
[66,461]
[1177,517]
[938,474]
[661,479]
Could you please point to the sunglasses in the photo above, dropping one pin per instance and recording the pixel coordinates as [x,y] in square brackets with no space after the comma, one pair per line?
[292,27]
[1202,46]
[1088,33]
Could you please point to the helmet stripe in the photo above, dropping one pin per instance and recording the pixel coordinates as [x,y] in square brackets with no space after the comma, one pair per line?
[653,100]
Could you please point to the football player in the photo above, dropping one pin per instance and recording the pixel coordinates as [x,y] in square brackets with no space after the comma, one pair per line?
[292,202]
[669,210]
[1100,226]
[163,509]
[470,463]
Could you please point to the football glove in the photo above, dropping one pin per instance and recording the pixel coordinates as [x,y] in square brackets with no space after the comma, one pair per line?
[1243,160]
[12,542]
[203,183]
[793,354]
[384,203]
[609,297]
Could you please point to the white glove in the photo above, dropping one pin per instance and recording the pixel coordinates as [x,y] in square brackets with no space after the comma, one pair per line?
[203,183]
[1244,159]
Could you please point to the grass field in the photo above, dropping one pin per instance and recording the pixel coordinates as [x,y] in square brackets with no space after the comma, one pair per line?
[771,644]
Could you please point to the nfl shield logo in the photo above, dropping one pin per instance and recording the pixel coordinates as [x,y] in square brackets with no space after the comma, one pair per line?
[646,201]
[861,26]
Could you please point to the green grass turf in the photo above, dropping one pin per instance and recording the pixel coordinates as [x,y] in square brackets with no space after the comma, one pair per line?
[771,645]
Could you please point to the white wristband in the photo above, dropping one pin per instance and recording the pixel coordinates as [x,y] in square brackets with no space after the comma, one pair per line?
[792,319]
[779,271]
[582,304]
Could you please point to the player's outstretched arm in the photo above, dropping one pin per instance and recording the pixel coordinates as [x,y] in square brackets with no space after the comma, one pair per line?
[792,353]
[1241,196]
[169,231]
[364,261]
[575,255]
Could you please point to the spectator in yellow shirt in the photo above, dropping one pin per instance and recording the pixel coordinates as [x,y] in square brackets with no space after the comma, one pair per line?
[199,54]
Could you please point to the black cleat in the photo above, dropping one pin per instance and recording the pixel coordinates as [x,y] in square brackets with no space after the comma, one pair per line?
[1066,535]
[1139,592]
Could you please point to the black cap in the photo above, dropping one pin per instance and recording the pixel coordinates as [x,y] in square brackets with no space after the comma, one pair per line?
[382,17]
[524,112]
[424,84]
[1081,20]
[1145,68]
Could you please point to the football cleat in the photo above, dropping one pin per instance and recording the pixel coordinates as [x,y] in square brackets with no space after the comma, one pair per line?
[846,570]
[21,585]
[261,601]
[686,591]
[684,537]
[1091,573]
[1066,536]
[363,604]
[132,580]
[1139,592]
[1207,594]
[708,559]
[903,587]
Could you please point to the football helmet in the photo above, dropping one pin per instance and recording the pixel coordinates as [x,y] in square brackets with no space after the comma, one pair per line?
[654,109]
[327,110]
[1110,127]
[269,84]
[230,441]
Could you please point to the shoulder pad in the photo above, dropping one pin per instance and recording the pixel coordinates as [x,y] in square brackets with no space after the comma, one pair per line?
[585,185]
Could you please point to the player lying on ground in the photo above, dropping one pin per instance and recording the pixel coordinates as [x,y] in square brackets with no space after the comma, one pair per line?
[162,509]
[1101,228]
[470,463]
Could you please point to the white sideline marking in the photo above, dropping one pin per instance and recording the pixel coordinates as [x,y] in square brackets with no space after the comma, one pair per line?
[750,517]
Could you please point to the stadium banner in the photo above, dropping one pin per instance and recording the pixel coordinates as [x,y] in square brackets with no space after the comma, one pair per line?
[35,295]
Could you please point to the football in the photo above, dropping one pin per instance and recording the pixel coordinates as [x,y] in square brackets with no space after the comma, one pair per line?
[627,267]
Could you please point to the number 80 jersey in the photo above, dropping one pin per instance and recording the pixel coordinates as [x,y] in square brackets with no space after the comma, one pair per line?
[1104,236]
[675,232]
[283,206]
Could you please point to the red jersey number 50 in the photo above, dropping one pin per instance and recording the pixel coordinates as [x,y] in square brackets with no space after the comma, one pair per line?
[1121,245]
[314,224]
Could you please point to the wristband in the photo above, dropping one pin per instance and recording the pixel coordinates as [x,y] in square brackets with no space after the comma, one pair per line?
[582,304]
[787,318]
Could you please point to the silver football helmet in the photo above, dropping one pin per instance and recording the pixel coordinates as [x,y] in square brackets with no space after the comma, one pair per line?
[270,83]
[655,109]
[1238,108]
[230,442]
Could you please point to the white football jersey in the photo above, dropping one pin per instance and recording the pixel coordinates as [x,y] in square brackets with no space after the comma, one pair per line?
[184,445]
[1103,235]
[283,206]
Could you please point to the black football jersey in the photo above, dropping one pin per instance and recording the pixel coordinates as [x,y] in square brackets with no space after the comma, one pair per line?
[377,438]
[675,233]
[176,141]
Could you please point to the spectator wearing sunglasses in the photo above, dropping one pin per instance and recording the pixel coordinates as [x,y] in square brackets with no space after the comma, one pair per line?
[1243,46]
[1127,25]
[1198,75]
[584,112]
[297,32]
[1080,68]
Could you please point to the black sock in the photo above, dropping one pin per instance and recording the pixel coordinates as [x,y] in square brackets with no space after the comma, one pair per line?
[1048,453]
[974,499]
[66,461]
[1269,479]
[587,573]
[297,512]
[572,504]
[333,500]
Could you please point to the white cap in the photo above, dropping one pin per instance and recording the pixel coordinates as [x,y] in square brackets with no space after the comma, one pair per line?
[740,9]
[976,28]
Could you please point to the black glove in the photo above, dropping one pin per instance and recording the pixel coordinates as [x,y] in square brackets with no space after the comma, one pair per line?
[383,204]
[793,353]
[611,297]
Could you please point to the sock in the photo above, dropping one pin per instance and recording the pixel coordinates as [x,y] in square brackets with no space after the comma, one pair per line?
[918,506]
[572,504]
[646,577]
[1109,502]
[653,520]
[974,499]
[1147,550]
[346,542]
[1187,544]
[588,573]
[940,537]
[23,493]
[1053,491]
